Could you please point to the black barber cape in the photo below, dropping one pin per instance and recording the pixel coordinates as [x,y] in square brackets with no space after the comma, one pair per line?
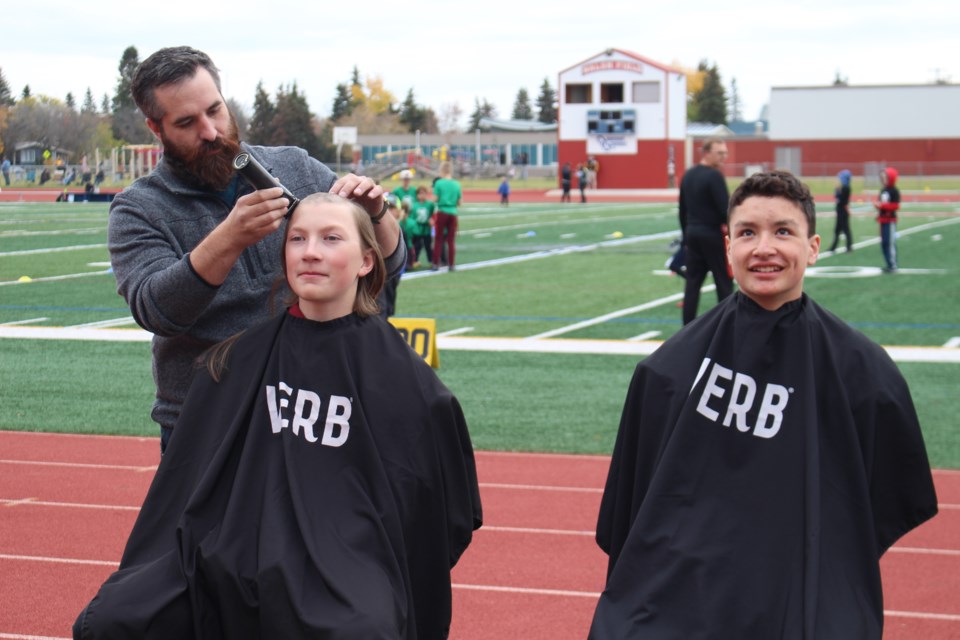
[323,489]
[764,463]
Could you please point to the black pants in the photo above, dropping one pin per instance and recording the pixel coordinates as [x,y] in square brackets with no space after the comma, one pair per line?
[842,226]
[705,254]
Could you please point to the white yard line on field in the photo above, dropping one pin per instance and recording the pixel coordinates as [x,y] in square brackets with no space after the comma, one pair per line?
[29,252]
[463,343]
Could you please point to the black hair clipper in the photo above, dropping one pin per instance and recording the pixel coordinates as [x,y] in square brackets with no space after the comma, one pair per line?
[260,178]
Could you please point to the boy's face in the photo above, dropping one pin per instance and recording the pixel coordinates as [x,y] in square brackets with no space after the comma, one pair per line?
[769,250]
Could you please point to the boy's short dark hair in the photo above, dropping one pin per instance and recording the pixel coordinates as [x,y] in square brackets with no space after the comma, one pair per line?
[777,184]
[167,66]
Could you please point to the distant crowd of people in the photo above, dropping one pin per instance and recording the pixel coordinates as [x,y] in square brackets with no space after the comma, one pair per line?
[586,174]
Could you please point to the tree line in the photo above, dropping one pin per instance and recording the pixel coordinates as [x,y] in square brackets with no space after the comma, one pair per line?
[285,117]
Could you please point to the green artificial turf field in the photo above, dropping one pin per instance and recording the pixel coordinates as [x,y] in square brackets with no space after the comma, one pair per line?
[592,271]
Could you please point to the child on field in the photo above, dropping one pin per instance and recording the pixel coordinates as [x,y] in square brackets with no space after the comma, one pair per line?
[768,456]
[320,481]
[887,205]
[421,217]
[504,191]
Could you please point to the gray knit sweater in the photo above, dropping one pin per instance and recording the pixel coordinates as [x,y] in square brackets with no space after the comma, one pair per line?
[153,226]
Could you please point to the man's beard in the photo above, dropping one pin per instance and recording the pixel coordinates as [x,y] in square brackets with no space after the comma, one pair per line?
[211,164]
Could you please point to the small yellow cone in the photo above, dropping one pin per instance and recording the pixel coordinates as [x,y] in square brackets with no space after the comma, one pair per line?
[24,279]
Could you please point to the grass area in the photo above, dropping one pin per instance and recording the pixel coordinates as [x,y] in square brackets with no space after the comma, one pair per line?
[577,263]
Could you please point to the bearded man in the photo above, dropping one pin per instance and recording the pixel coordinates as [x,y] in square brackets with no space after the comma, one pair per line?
[193,246]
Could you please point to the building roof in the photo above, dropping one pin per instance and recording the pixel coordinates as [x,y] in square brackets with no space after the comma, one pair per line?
[707,129]
[754,128]
[629,54]
[491,124]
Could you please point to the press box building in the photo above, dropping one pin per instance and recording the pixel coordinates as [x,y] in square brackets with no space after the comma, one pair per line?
[629,113]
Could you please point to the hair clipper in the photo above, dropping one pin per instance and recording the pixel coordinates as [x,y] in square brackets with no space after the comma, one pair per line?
[260,178]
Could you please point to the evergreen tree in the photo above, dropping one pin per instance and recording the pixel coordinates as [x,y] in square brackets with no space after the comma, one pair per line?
[127,122]
[6,96]
[123,96]
[105,105]
[342,103]
[70,101]
[89,106]
[25,93]
[711,100]
[547,104]
[480,110]
[261,124]
[412,115]
[521,107]
[293,122]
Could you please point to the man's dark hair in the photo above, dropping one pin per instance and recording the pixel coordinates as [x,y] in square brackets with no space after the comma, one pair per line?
[167,66]
[777,184]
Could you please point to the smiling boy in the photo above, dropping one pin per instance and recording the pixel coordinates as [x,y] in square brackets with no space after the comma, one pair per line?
[753,488]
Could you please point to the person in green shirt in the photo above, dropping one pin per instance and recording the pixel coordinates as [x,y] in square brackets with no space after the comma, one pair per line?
[448,194]
[420,227]
[406,193]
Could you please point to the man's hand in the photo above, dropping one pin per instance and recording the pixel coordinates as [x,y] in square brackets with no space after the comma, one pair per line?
[369,195]
[361,189]
[254,217]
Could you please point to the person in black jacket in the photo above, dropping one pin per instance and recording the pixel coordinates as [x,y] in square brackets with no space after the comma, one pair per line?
[768,455]
[703,217]
[320,482]
[842,195]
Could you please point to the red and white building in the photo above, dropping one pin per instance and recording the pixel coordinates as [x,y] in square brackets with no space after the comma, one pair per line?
[630,114]
[819,130]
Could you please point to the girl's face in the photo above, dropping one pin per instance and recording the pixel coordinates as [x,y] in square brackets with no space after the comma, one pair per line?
[325,259]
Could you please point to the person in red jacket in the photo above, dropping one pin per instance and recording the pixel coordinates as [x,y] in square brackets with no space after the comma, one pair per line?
[887,204]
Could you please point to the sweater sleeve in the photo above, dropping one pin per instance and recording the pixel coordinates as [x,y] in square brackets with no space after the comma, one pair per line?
[153,271]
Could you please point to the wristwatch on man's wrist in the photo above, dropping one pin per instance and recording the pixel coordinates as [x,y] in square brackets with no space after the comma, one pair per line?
[376,219]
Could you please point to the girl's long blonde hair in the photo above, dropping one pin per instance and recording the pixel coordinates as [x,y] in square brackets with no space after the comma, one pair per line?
[368,286]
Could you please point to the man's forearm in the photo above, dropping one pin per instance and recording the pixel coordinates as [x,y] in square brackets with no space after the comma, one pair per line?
[388,235]
[215,256]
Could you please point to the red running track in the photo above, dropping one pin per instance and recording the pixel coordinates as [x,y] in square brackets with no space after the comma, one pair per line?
[67,503]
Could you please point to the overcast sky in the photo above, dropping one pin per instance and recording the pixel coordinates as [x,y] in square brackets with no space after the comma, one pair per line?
[456,52]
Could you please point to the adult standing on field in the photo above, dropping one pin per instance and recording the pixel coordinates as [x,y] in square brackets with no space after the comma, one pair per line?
[582,182]
[448,195]
[842,195]
[565,181]
[192,245]
[703,218]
